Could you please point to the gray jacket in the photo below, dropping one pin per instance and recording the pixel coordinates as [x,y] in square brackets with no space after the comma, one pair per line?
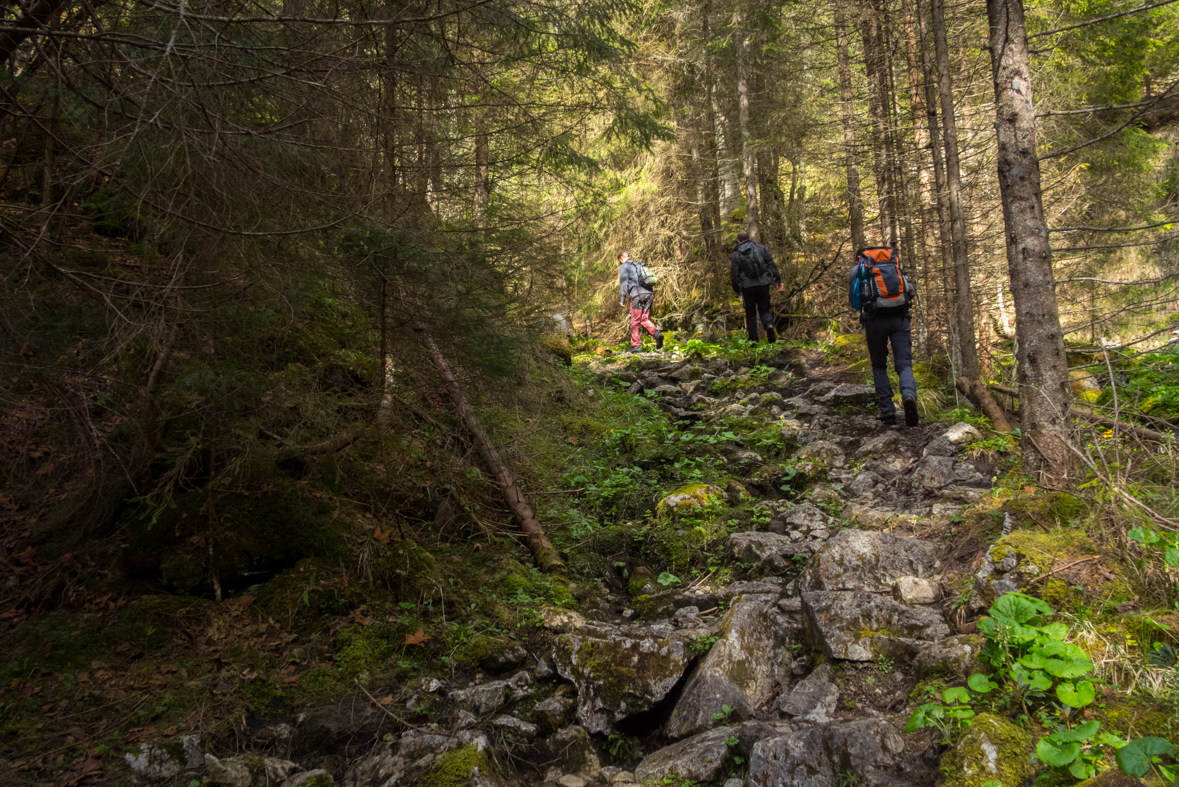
[628,282]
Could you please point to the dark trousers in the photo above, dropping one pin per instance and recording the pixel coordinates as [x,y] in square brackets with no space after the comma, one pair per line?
[880,331]
[757,300]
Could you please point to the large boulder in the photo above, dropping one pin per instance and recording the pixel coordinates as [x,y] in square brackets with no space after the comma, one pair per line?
[881,444]
[856,626]
[487,698]
[751,655]
[858,752]
[618,674]
[768,553]
[868,560]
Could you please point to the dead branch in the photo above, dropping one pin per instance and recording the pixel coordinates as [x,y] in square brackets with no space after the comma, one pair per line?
[1081,411]
[977,393]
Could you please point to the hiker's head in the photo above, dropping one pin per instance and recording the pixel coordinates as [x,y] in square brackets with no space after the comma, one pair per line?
[742,236]
[623,255]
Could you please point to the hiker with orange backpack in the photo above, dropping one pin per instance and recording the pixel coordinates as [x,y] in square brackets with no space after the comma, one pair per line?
[879,289]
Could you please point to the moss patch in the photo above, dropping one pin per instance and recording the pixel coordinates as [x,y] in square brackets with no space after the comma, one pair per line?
[993,749]
[455,767]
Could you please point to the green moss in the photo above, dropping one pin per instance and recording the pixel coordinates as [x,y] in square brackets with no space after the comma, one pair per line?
[993,749]
[406,568]
[1058,549]
[643,605]
[1044,509]
[454,768]
[359,649]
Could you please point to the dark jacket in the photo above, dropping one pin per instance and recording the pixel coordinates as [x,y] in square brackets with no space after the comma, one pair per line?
[628,282]
[737,276]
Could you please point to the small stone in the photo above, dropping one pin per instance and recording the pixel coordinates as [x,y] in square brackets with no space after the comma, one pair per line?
[814,699]
[512,724]
[961,434]
[572,780]
[466,720]
[914,590]
[622,777]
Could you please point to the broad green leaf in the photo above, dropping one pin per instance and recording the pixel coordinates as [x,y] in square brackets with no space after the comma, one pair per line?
[1113,741]
[1079,733]
[956,694]
[1143,535]
[1034,661]
[1171,556]
[1134,758]
[1067,669]
[1081,770]
[1056,631]
[924,716]
[960,712]
[1058,755]
[1076,695]
[1019,608]
[980,683]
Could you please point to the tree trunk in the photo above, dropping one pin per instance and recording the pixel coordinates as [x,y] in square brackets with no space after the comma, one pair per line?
[538,543]
[874,64]
[712,147]
[855,202]
[942,202]
[918,191]
[964,314]
[747,152]
[1043,368]
[482,173]
[730,187]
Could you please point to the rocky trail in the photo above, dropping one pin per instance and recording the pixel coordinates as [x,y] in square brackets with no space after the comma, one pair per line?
[801,674]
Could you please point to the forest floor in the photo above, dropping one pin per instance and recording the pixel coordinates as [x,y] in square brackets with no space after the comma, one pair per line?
[684,490]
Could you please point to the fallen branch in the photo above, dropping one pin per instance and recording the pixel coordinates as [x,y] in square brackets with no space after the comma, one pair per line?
[1081,411]
[1064,568]
[977,393]
[542,549]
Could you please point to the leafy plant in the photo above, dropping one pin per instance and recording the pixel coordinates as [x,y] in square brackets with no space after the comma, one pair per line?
[1138,757]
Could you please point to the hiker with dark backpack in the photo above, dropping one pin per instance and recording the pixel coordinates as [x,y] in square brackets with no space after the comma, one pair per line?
[637,282]
[879,289]
[751,274]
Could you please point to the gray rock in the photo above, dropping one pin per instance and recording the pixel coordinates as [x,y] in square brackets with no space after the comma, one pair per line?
[813,699]
[552,714]
[504,659]
[948,659]
[914,590]
[933,473]
[863,484]
[856,626]
[744,460]
[489,697]
[823,453]
[561,620]
[571,750]
[825,756]
[770,553]
[153,763]
[881,444]
[701,758]
[967,474]
[961,434]
[939,446]
[868,560]
[408,759]
[514,725]
[227,773]
[806,516]
[751,655]
[826,497]
[618,675]
[850,396]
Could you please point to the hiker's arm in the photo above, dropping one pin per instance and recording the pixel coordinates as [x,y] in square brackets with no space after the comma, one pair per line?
[622,288]
[774,269]
[733,274]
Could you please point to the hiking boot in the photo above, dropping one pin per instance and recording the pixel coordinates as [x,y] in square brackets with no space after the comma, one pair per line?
[658,340]
[771,335]
[888,419]
[910,405]
[632,350]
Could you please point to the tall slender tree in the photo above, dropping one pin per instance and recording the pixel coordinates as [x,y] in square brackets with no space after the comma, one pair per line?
[1043,369]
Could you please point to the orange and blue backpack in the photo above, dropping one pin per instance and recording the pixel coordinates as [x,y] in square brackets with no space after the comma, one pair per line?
[881,283]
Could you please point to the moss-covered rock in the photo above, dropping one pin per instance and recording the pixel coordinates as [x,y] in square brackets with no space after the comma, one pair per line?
[688,498]
[559,346]
[456,767]
[405,568]
[993,749]
[1063,567]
